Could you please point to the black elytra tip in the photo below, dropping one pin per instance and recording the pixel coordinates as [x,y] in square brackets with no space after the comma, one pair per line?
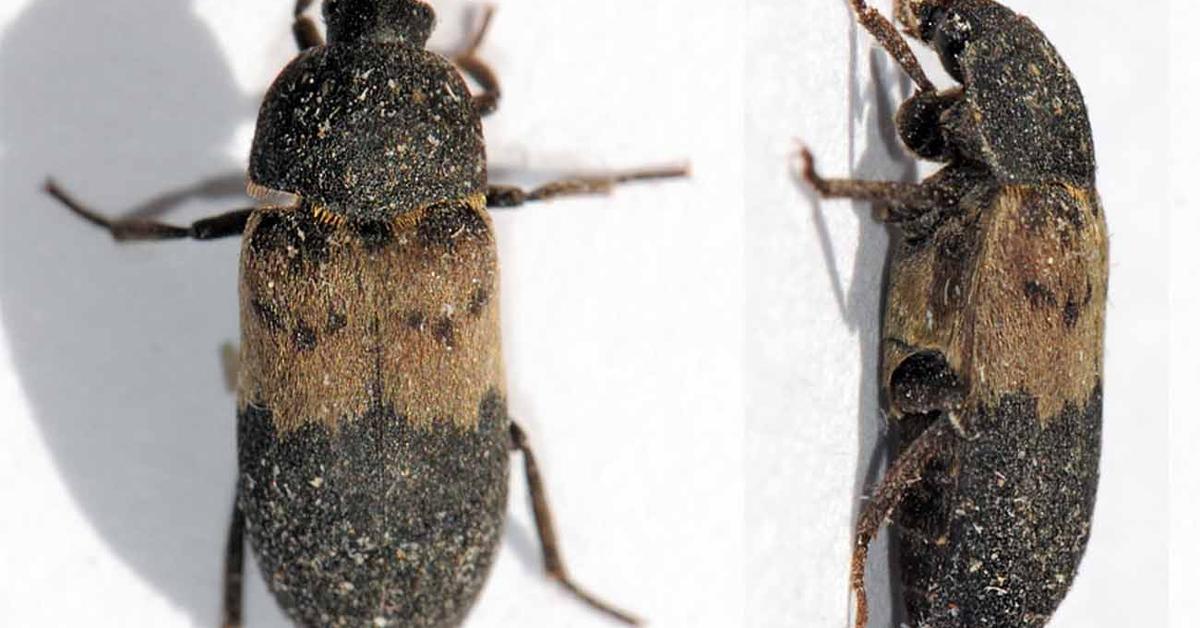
[380,21]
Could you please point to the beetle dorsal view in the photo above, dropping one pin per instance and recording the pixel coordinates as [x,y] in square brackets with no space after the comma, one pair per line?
[993,327]
[373,431]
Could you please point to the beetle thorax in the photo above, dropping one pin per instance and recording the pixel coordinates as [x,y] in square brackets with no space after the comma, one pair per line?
[369,131]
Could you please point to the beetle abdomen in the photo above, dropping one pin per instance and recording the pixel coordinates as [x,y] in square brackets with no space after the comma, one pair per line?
[1006,299]
[993,533]
[375,522]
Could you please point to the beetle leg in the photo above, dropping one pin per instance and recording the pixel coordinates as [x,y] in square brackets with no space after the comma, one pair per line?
[231,602]
[231,365]
[478,69]
[886,34]
[888,494]
[304,29]
[551,560]
[899,201]
[499,196]
[227,224]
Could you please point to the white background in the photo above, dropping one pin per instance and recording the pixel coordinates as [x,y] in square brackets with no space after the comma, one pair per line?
[631,322]
[620,314]
[814,290]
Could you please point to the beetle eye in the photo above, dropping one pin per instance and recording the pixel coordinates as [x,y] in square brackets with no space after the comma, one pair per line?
[928,17]
[950,37]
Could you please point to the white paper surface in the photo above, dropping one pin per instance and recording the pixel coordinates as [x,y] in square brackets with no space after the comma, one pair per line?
[1185,311]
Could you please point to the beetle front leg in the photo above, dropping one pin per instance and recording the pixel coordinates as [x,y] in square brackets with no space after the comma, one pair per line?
[479,70]
[231,600]
[221,226]
[499,196]
[303,28]
[551,560]
[901,475]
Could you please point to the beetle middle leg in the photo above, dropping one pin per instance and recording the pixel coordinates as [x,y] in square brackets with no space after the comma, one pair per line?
[901,475]
[499,196]
[303,28]
[899,201]
[551,560]
[220,226]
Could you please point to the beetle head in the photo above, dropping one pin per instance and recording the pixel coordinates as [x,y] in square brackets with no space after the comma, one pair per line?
[408,21]
[1019,111]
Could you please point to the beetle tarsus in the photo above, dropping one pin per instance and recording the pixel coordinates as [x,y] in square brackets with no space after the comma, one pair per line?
[501,196]
[551,559]
[231,601]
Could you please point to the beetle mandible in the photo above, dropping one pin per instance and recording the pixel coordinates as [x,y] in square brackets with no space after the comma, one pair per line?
[373,436]
[994,323]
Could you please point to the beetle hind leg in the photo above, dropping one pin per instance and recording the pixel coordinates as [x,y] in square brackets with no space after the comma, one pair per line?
[891,490]
[551,559]
[231,600]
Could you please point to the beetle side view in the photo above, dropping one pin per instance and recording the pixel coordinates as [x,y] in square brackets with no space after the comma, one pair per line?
[373,436]
[994,323]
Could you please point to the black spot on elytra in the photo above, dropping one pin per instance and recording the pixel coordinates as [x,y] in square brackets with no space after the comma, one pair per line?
[375,234]
[414,319]
[1072,308]
[304,336]
[1071,312]
[267,315]
[335,321]
[296,234]
[443,225]
[443,330]
[479,298]
[1039,295]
